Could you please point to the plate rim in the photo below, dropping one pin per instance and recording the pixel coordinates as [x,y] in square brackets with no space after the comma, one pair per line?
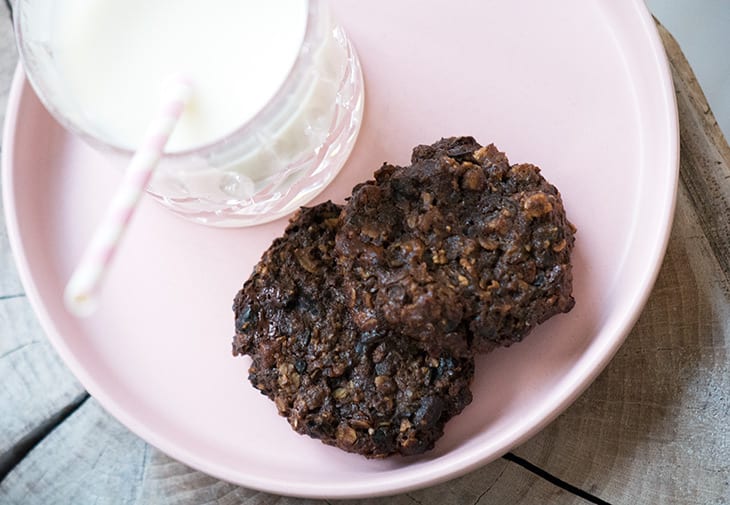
[387,484]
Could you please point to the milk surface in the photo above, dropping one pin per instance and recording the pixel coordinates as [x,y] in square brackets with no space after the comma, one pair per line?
[113,57]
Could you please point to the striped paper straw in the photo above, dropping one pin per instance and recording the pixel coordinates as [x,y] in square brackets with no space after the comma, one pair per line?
[82,289]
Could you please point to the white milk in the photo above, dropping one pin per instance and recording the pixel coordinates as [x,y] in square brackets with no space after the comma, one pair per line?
[113,55]
[285,65]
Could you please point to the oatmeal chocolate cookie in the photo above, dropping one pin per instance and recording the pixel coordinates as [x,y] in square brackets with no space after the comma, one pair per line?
[461,251]
[370,392]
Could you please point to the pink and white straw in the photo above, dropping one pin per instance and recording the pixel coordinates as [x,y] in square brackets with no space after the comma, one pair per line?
[82,289]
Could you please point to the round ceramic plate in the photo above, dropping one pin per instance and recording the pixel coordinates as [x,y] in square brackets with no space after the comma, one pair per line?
[578,87]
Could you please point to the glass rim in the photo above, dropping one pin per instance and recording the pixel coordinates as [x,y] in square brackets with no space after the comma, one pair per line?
[314,8]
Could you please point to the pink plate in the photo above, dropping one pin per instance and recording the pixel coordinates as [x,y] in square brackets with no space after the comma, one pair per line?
[579,87]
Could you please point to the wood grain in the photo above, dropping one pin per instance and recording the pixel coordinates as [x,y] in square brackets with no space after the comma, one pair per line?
[172,483]
[94,460]
[652,429]
[36,388]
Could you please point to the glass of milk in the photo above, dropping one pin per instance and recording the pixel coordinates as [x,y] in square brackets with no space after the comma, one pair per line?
[277,94]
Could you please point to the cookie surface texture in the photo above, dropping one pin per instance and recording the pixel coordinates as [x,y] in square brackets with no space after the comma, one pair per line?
[460,251]
[375,393]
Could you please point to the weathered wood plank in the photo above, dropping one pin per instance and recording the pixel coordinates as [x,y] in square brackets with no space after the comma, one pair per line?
[8,59]
[705,172]
[90,458]
[169,482]
[36,388]
[10,285]
[655,426]
[499,482]
[9,282]
[19,324]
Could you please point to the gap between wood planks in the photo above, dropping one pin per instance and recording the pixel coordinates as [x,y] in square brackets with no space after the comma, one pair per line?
[552,479]
[10,297]
[10,459]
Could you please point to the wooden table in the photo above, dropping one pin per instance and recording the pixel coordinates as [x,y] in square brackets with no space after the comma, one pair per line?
[654,428]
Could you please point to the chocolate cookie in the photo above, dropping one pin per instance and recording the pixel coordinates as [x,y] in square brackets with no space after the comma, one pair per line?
[375,392]
[460,251]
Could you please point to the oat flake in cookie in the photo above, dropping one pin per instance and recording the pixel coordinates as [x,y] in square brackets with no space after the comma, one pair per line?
[374,393]
[461,251]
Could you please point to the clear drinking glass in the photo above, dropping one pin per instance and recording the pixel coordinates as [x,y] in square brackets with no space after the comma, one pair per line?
[270,165]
